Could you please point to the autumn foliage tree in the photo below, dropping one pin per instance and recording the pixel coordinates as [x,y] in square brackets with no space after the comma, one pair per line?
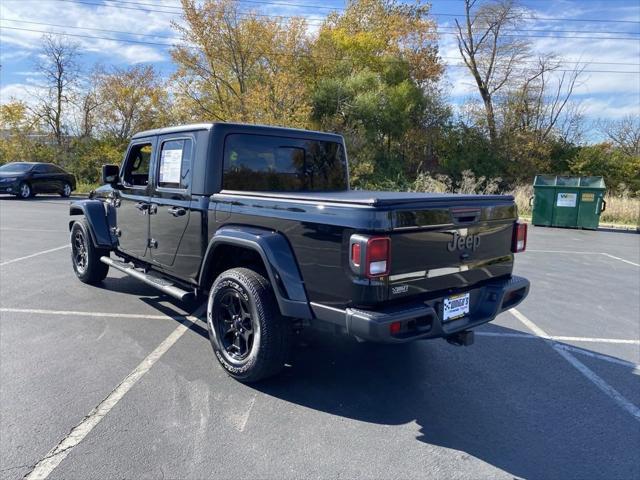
[372,67]
[130,100]
[370,71]
[238,66]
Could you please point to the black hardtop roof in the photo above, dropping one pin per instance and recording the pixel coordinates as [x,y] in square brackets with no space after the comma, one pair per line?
[229,127]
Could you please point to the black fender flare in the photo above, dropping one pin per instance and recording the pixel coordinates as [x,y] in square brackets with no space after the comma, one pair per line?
[279,261]
[100,217]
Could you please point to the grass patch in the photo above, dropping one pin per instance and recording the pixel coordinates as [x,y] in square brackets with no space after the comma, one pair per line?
[84,187]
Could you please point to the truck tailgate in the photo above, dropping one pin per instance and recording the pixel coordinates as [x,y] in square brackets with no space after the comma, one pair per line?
[448,248]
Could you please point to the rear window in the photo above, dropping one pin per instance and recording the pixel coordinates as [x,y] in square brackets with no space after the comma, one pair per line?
[266,163]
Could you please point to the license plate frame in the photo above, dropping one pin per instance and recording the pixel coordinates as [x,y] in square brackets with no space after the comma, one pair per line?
[456,306]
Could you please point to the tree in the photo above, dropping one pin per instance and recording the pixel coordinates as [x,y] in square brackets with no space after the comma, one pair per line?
[624,134]
[15,125]
[371,34]
[237,65]
[130,99]
[58,65]
[621,171]
[540,102]
[87,104]
[372,67]
[492,57]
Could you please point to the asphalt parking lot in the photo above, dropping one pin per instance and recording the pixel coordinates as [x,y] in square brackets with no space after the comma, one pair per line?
[551,390]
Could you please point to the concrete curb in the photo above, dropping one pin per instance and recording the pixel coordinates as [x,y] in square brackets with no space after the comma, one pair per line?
[602,226]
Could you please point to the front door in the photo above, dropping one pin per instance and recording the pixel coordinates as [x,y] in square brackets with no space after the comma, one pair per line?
[171,197]
[133,198]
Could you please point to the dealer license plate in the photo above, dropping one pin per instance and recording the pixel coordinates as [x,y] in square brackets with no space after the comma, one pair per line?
[456,306]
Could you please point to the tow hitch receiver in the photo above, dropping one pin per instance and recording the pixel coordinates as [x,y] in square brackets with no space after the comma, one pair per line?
[461,339]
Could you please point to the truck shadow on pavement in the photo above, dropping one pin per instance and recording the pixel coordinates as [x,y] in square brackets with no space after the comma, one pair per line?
[511,402]
[518,405]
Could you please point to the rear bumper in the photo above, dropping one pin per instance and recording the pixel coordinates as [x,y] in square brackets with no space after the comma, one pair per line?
[424,319]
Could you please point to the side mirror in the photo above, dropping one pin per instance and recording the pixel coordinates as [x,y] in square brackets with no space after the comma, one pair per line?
[110,174]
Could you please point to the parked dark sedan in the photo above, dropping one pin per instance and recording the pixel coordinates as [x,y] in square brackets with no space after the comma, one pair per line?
[25,179]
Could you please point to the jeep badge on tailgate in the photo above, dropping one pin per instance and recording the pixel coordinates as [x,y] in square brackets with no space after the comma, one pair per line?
[459,242]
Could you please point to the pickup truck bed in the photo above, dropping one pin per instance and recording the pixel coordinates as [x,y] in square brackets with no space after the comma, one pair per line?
[375,199]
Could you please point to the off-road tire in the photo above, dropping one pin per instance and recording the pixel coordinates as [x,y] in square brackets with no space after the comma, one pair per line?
[90,270]
[272,333]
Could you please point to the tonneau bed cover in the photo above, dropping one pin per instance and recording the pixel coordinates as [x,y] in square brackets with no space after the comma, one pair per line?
[372,198]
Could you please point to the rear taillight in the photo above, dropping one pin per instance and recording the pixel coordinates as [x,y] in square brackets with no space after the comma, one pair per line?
[370,256]
[356,254]
[378,261]
[519,239]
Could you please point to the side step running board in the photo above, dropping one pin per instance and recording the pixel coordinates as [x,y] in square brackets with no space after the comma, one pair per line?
[164,286]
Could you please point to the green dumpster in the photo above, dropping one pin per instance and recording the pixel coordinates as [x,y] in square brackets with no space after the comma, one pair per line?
[561,201]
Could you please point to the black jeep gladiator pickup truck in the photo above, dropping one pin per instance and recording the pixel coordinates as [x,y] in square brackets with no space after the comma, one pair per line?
[262,220]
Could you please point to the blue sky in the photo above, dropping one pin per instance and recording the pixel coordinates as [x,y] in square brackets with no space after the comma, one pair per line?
[604,34]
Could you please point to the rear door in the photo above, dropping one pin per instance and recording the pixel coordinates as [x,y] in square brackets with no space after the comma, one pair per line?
[133,197]
[56,177]
[59,177]
[171,197]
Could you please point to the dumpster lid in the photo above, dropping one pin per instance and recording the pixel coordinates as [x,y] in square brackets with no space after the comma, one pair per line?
[593,182]
[568,181]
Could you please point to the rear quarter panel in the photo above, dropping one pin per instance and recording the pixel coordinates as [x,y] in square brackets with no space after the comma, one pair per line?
[317,233]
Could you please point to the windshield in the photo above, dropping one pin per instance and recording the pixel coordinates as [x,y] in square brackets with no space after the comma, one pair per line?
[16,167]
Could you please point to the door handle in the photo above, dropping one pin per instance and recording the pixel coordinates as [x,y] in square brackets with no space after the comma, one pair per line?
[177,211]
[142,207]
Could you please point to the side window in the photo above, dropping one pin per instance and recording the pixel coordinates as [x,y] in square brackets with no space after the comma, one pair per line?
[136,168]
[174,169]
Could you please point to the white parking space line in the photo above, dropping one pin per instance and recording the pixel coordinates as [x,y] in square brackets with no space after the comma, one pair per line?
[19,259]
[36,311]
[240,420]
[621,259]
[596,340]
[586,253]
[581,367]
[562,251]
[599,356]
[50,230]
[56,455]
[560,339]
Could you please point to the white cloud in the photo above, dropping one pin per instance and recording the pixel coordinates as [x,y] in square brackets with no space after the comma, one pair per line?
[15,91]
[610,109]
[602,92]
[27,36]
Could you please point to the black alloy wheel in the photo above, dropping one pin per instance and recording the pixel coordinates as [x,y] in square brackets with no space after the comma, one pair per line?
[85,256]
[234,324]
[79,251]
[250,338]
